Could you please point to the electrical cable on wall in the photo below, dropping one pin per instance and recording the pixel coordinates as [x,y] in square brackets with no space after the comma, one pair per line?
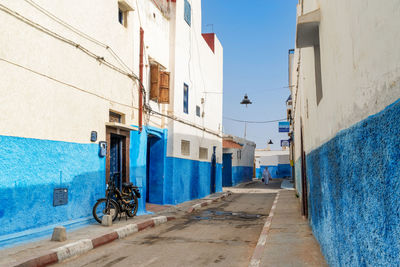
[271,121]
[132,76]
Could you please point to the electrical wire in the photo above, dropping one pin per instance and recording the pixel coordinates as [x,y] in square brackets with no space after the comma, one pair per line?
[271,121]
[78,32]
[132,76]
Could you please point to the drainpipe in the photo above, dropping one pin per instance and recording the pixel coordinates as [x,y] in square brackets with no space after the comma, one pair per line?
[141,79]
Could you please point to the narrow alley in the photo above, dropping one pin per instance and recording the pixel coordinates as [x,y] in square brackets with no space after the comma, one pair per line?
[223,234]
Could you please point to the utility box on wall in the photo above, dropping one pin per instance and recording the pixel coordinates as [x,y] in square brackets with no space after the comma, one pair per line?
[60,197]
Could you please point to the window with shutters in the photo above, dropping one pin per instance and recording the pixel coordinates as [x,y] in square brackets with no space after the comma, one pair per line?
[185,148]
[203,153]
[185,98]
[188,13]
[159,88]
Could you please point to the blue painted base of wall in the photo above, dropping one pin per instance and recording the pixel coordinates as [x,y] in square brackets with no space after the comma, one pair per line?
[241,174]
[258,173]
[30,169]
[189,179]
[279,171]
[354,199]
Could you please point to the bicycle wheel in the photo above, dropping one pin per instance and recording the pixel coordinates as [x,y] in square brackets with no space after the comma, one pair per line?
[100,209]
[133,206]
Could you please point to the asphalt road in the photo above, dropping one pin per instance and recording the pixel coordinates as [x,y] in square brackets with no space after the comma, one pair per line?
[222,234]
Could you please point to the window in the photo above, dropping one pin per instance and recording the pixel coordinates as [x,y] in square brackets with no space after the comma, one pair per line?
[123,9]
[115,117]
[186,98]
[185,148]
[197,111]
[188,12]
[159,89]
[239,154]
[203,153]
[121,16]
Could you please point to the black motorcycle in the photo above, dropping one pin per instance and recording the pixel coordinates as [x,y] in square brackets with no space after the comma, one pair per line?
[117,202]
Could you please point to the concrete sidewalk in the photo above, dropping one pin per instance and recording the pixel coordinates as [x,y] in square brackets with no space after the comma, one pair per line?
[44,252]
[287,239]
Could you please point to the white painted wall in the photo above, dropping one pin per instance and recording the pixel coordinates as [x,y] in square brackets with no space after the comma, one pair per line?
[77,93]
[360,67]
[265,157]
[202,70]
[244,156]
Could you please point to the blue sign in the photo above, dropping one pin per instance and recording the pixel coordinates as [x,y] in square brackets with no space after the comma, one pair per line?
[284,127]
[285,143]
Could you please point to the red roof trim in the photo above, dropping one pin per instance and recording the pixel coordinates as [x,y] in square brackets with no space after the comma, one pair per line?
[210,40]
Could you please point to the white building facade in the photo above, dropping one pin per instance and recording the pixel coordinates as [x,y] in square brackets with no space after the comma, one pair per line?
[238,160]
[277,162]
[346,106]
[72,75]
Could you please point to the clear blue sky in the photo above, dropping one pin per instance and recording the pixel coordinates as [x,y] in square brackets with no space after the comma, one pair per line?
[256,36]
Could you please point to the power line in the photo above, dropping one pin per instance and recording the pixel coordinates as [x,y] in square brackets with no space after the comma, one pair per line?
[231,119]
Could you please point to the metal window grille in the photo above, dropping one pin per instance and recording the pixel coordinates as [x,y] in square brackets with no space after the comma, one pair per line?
[185,148]
[203,153]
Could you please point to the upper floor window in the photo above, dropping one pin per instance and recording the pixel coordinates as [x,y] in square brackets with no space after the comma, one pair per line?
[123,9]
[188,13]
[186,98]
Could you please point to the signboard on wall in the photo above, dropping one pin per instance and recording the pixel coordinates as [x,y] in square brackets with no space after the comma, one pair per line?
[284,127]
[285,143]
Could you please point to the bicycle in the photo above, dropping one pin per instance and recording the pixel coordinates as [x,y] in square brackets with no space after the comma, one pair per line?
[117,202]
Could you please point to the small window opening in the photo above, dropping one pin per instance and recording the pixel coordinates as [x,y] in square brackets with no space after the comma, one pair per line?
[185,148]
[197,111]
[203,153]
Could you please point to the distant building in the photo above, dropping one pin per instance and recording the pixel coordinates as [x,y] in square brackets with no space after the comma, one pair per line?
[345,119]
[238,160]
[277,162]
[71,75]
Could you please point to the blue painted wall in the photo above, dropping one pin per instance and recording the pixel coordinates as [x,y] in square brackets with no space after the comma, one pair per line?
[30,169]
[172,180]
[258,173]
[279,171]
[189,179]
[227,170]
[241,174]
[354,199]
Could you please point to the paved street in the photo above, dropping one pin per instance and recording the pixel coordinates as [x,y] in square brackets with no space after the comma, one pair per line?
[223,234]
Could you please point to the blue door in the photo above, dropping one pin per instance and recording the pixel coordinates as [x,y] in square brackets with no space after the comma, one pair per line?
[116,159]
[213,171]
[227,170]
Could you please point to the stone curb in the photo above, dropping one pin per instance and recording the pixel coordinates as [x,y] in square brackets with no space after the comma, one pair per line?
[207,202]
[258,251]
[82,246]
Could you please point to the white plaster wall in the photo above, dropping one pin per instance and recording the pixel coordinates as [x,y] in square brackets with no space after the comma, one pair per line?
[81,91]
[58,108]
[196,65]
[271,157]
[359,43]
[246,156]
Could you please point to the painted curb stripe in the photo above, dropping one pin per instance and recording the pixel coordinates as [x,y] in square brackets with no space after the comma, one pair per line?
[262,241]
[159,220]
[127,230]
[40,261]
[73,249]
[207,202]
[145,224]
[104,239]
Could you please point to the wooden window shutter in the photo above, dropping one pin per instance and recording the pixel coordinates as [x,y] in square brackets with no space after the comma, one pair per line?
[155,81]
[164,87]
